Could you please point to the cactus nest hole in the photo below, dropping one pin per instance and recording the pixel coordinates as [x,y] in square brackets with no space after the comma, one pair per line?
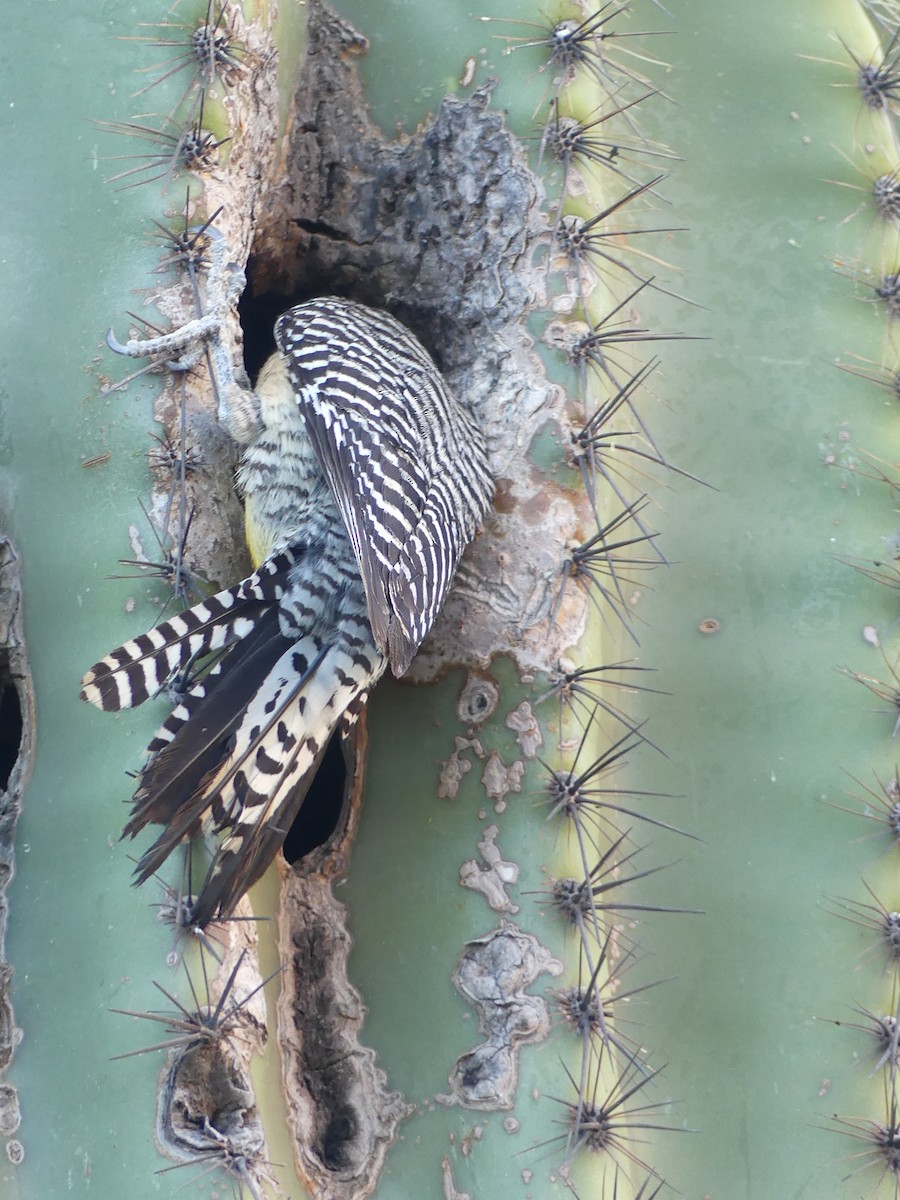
[320,814]
[10,721]
[16,760]
[440,228]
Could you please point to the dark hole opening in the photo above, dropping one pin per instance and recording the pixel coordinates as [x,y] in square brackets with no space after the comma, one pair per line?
[258,315]
[341,1130]
[321,810]
[10,723]
[259,309]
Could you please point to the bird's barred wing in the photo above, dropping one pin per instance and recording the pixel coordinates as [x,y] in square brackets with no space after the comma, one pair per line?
[381,493]
[137,670]
[406,464]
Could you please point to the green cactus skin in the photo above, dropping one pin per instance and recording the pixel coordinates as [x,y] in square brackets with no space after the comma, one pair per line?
[761,412]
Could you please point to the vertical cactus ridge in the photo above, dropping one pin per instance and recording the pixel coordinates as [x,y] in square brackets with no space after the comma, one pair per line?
[598,1100]
[773,965]
[872,1130]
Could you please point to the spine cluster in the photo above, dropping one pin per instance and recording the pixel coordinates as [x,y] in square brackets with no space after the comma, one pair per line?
[875,78]
[602,174]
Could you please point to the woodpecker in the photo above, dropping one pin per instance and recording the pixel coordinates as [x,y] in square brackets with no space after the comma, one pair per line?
[363,480]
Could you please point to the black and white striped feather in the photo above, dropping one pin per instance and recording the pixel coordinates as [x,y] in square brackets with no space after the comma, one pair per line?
[362,487]
[139,669]
[406,464]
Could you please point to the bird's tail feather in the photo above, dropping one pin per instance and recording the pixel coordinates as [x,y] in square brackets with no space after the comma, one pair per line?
[137,670]
[194,737]
[274,746]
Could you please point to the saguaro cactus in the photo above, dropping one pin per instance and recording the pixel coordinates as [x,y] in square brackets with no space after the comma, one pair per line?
[467,933]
